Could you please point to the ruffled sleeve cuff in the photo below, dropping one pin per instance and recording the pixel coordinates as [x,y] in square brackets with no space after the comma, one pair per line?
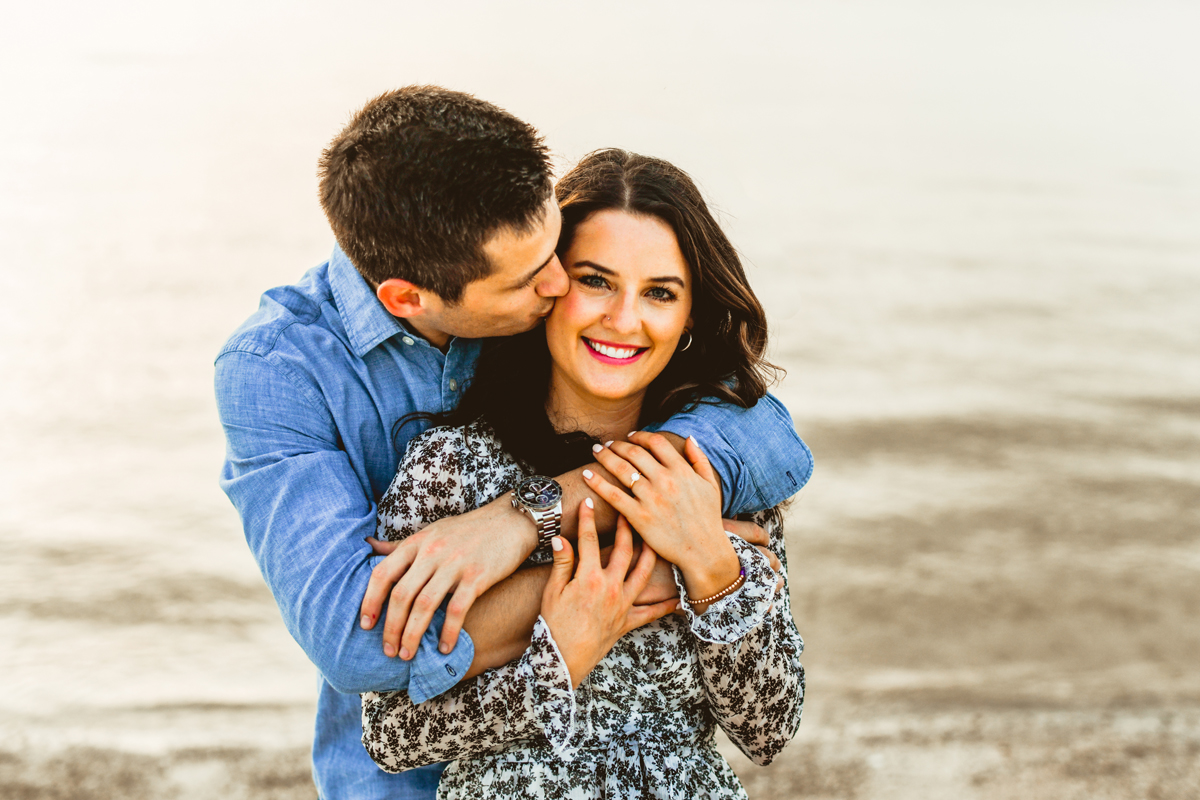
[553,694]
[729,619]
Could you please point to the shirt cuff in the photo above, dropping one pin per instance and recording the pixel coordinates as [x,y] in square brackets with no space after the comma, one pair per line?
[432,672]
[727,620]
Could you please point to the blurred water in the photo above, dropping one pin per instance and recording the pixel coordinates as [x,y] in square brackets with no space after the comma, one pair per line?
[950,209]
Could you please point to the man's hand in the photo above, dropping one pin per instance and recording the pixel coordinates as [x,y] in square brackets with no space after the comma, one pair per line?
[661,585]
[464,555]
[757,536]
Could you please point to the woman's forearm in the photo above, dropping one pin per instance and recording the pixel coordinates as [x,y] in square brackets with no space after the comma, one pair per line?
[755,688]
[711,572]
[754,681]
[524,699]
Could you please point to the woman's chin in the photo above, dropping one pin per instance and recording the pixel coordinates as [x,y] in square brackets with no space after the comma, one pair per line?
[610,392]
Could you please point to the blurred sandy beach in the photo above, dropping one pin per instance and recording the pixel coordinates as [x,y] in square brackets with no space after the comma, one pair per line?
[975,227]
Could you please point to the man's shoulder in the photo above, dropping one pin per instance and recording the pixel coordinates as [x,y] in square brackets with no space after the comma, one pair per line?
[286,313]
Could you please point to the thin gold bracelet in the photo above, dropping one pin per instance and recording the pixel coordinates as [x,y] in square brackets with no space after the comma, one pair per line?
[730,589]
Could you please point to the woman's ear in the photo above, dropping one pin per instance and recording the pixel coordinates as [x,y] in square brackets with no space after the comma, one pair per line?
[400,298]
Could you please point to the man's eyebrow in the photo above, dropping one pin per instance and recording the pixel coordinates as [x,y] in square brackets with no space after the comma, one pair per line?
[607,271]
[525,281]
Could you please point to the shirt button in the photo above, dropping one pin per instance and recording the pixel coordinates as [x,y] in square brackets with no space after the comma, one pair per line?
[450,669]
[408,340]
[453,385]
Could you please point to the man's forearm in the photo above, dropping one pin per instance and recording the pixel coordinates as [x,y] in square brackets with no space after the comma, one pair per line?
[501,621]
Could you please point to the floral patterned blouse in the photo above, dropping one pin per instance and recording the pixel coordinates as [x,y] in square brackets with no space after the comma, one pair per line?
[642,723]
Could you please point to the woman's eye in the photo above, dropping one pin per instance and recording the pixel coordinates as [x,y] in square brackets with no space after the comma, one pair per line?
[594,281]
[661,293]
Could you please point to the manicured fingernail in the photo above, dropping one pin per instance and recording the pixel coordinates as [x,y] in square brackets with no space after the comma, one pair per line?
[444,648]
[692,439]
[631,433]
[556,543]
[365,621]
[679,606]
[597,448]
[587,501]
[587,473]
[608,443]
[404,654]
[388,650]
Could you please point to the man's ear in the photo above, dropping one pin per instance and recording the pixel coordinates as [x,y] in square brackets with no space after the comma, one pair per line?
[401,298]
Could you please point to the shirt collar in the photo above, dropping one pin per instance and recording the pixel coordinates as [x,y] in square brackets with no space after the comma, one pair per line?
[366,321]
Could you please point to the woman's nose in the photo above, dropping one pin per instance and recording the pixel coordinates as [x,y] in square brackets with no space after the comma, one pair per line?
[622,315]
[553,282]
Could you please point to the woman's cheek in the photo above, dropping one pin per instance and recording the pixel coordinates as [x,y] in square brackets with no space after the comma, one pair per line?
[582,310]
[667,323]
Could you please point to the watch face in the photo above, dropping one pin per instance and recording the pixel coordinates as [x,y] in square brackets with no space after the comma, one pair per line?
[538,493]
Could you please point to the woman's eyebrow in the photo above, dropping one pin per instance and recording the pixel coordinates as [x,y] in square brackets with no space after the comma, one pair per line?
[607,271]
[594,266]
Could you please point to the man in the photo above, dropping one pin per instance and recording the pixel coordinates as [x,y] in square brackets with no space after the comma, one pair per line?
[446,226]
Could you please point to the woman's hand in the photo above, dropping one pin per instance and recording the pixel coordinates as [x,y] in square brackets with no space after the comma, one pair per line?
[589,612]
[674,503]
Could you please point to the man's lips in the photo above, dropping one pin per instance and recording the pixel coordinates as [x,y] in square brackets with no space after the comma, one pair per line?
[613,353]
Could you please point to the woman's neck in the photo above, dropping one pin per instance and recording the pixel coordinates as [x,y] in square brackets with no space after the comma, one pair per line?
[605,419]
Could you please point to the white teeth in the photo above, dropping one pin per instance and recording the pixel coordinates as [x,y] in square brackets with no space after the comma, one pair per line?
[612,352]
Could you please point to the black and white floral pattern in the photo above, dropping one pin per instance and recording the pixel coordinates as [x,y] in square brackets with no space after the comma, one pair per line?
[642,723]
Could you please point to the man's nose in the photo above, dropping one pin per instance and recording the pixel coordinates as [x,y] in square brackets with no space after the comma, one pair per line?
[553,282]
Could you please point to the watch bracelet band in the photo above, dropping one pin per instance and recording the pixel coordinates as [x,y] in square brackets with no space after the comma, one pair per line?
[548,523]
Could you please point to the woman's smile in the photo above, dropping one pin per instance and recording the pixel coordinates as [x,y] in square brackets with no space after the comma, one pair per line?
[611,353]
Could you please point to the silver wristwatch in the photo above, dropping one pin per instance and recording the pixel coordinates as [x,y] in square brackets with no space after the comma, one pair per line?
[541,498]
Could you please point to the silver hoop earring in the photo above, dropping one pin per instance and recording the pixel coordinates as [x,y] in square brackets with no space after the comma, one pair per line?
[689,344]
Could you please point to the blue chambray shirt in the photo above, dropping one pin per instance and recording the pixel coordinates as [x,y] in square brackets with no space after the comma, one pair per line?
[309,390]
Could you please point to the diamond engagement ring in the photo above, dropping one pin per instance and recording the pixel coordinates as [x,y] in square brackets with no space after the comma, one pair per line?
[634,478]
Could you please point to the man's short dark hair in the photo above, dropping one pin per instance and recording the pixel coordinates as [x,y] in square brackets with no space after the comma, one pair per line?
[422,177]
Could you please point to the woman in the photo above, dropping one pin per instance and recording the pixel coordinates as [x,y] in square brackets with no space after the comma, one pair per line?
[659,315]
